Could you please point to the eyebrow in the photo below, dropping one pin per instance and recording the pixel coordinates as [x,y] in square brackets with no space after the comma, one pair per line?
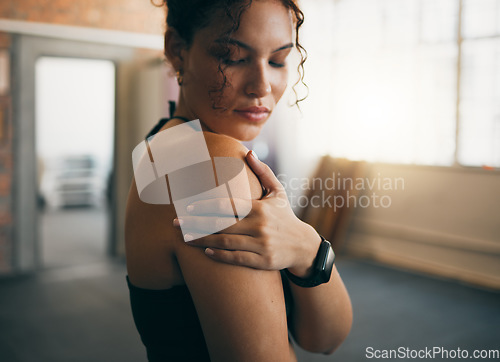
[248,47]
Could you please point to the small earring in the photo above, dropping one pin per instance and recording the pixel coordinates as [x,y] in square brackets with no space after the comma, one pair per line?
[180,77]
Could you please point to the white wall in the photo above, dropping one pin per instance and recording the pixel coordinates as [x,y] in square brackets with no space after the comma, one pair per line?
[446,222]
[142,99]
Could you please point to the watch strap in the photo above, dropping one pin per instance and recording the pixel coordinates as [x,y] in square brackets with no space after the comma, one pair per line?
[322,267]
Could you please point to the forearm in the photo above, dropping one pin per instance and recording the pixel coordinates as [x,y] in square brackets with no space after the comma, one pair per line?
[322,316]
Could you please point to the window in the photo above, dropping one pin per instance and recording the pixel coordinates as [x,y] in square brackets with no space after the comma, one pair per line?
[388,78]
[479,121]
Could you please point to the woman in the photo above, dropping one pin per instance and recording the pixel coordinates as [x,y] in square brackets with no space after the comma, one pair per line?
[221,297]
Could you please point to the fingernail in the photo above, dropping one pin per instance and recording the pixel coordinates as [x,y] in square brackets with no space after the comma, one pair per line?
[254,154]
[189,208]
[188,237]
[209,251]
[178,222]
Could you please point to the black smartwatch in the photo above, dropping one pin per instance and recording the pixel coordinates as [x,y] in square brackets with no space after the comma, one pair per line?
[322,267]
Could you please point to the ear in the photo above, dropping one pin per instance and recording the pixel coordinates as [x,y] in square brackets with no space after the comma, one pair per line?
[174,46]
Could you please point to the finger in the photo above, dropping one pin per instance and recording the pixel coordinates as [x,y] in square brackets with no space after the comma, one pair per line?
[242,258]
[230,242]
[194,239]
[213,224]
[204,224]
[266,176]
[220,207]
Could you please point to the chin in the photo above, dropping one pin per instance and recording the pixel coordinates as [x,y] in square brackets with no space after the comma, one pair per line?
[245,134]
[236,128]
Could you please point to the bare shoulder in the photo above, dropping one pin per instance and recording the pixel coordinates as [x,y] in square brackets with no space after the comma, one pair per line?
[224,146]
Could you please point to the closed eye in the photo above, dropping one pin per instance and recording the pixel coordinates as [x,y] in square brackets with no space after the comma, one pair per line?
[277,65]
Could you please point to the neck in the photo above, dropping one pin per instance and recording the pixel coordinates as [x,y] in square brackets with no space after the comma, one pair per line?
[182,111]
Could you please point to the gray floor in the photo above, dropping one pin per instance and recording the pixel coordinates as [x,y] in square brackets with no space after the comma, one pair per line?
[73,236]
[81,312]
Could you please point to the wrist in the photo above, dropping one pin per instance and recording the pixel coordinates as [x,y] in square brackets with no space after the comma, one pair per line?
[321,270]
[307,254]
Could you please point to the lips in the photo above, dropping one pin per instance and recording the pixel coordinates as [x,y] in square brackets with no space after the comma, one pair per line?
[254,113]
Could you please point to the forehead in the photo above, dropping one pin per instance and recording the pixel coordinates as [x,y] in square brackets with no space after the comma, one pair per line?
[265,21]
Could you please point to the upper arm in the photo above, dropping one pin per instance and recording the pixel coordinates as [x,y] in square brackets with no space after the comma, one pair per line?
[241,310]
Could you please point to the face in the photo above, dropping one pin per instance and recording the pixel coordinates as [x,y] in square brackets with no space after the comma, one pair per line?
[256,71]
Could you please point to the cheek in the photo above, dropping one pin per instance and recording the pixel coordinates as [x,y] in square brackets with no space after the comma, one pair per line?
[205,78]
[279,84]
[208,75]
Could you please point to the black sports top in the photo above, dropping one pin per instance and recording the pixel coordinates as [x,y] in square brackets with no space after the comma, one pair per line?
[168,324]
[167,320]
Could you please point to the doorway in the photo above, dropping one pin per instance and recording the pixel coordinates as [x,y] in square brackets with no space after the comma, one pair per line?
[137,106]
[74,134]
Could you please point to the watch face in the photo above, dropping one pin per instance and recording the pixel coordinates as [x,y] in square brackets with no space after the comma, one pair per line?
[323,254]
[327,265]
[331,257]
[327,256]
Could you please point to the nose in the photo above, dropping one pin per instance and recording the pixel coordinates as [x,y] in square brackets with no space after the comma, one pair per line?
[258,82]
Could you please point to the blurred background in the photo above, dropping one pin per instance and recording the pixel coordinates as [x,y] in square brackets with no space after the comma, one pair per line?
[397,143]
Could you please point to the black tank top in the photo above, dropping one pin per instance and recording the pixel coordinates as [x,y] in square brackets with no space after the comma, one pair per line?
[167,320]
[168,324]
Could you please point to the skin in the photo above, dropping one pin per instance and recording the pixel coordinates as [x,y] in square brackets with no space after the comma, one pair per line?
[270,238]
[257,74]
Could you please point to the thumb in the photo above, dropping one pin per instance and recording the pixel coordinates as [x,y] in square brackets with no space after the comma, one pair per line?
[266,176]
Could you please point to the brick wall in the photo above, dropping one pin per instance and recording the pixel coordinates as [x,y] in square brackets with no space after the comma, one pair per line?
[5,156]
[126,15]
